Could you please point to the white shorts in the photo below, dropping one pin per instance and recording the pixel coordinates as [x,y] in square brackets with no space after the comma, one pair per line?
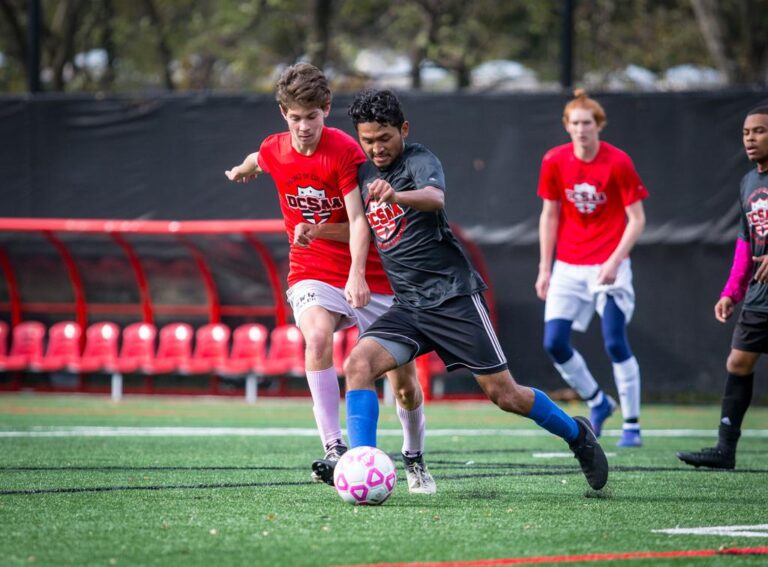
[575,296]
[310,293]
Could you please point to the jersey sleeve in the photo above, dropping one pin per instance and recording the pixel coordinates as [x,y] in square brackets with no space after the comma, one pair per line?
[349,164]
[549,186]
[744,232]
[426,170]
[266,153]
[630,185]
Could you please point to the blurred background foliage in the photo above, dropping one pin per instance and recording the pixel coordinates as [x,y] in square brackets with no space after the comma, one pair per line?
[240,45]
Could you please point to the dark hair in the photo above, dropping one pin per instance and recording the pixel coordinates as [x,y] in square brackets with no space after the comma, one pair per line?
[305,85]
[371,105]
[758,110]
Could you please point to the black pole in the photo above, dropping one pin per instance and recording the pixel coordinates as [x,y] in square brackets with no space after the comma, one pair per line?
[566,49]
[33,39]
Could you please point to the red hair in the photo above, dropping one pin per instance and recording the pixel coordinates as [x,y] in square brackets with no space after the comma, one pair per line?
[582,100]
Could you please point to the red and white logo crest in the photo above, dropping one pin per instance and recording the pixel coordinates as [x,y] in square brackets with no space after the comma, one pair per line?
[384,219]
[586,197]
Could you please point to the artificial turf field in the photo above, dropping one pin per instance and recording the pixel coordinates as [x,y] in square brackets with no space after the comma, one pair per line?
[191,481]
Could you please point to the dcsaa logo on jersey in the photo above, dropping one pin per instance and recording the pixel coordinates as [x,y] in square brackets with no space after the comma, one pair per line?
[315,207]
[586,197]
[757,214]
[384,219]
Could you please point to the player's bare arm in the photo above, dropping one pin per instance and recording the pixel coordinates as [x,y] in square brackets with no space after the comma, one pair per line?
[426,199]
[633,230]
[357,292]
[548,223]
[306,232]
[724,309]
[246,171]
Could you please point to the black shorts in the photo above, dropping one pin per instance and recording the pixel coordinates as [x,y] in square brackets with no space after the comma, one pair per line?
[751,332]
[459,330]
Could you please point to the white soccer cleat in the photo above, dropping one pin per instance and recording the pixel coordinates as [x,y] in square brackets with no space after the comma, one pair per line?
[420,481]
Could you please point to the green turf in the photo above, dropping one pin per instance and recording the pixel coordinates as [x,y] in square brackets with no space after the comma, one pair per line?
[246,500]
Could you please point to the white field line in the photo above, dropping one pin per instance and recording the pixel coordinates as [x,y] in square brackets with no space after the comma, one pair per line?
[760,530]
[560,455]
[81,431]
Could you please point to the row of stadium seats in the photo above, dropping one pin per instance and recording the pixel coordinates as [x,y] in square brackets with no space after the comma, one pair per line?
[249,356]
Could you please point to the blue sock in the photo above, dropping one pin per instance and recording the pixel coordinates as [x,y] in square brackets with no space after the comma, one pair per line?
[362,417]
[549,416]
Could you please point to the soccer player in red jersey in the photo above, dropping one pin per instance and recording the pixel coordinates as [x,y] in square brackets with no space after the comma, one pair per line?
[591,218]
[748,281]
[336,279]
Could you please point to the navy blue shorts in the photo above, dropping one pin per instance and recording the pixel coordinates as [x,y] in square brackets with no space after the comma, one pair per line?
[751,332]
[459,330]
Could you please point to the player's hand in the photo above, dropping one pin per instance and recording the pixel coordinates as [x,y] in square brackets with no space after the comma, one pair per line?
[761,274]
[304,234]
[542,284]
[724,309]
[356,291]
[608,273]
[241,174]
[382,192]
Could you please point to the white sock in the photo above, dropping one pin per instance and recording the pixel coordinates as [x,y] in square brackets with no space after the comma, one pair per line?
[414,424]
[575,372]
[627,377]
[324,386]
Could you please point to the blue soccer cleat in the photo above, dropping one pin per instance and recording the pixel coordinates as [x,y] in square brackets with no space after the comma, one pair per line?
[630,438]
[601,412]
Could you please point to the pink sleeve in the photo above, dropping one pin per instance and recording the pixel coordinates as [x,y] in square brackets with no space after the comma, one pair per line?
[741,272]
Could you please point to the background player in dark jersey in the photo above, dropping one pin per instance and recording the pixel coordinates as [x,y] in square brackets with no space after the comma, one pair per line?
[332,284]
[592,215]
[749,277]
[438,301]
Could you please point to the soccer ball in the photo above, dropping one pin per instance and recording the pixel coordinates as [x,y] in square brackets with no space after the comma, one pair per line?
[364,475]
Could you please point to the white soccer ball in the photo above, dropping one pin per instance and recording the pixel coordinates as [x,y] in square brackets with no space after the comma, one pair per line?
[364,475]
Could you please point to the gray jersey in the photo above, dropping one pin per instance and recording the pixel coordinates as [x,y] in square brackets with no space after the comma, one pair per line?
[423,260]
[754,230]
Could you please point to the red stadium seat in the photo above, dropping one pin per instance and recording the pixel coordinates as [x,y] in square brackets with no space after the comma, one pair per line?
[350,340]
[100,353]
[63,348]
[211,347]
[138,348]
[286,352]
[26,346]
[339,351]
[249,349]
[3,340]
[436,364]
[174,349]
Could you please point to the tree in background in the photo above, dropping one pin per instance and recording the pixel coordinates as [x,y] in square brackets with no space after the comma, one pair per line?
[236,45]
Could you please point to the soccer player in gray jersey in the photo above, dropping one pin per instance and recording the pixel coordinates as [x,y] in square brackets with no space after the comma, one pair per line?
[438,301]
[749,281]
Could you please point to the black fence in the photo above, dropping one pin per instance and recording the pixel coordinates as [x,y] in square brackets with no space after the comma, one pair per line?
[164,158]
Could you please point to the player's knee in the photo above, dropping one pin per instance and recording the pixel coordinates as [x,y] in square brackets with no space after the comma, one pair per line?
[407,396]
[739,364]
[319,343]
[617,349]
[357,369]
[558,347]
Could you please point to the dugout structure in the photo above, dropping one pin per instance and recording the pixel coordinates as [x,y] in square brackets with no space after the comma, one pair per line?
[175,275]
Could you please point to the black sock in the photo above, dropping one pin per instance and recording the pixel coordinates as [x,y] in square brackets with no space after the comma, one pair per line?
[736,400]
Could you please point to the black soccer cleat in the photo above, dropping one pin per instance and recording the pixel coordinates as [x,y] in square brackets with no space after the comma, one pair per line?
[322,469]
[590,455]
[711,457]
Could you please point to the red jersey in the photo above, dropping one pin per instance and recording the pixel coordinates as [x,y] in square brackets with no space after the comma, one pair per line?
[593,196]
[312,189]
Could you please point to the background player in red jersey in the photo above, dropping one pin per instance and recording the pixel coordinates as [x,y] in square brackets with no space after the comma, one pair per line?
[748,281]
[592,215]
[332,284]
